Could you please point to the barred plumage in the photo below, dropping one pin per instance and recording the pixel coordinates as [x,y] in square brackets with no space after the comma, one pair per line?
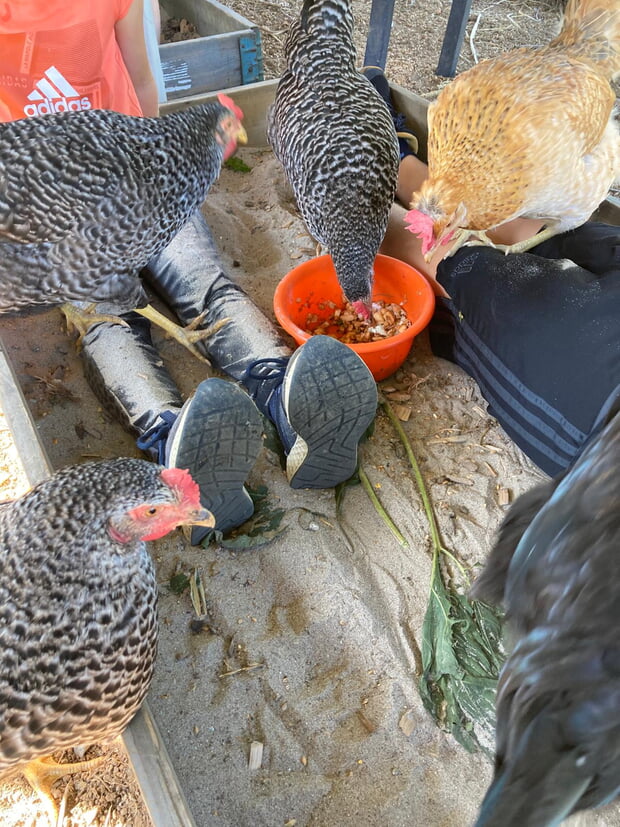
[336,140]
[78,595]
[88,198]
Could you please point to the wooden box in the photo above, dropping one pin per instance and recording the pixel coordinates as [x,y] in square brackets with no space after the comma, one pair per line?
[228,52]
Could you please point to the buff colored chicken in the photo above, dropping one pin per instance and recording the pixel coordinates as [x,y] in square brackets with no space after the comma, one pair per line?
[529,134]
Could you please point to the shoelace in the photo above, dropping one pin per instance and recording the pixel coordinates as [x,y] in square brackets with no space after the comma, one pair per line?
[156,436]
[271,370]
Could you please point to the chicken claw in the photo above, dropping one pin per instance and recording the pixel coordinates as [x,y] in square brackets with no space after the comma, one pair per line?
[41,773]
[185,336]
[81,320]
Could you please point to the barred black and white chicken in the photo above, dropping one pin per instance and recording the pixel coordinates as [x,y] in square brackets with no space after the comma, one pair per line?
[556,568]
[78,601]
[336,140]
[88,198]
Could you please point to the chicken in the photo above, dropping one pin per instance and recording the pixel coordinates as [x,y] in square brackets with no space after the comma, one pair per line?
[556,567]
[78,624]
[88,198]
[335,138]
[529,134]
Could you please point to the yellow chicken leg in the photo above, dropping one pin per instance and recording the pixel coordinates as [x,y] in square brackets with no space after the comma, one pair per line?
[522,246]
[82,319]
[185,336]
[41,773]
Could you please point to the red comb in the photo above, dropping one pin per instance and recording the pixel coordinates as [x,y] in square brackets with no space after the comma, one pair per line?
[230,104]
[422,226]
[183,482]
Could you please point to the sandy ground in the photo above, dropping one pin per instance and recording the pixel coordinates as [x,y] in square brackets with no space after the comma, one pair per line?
[310,645]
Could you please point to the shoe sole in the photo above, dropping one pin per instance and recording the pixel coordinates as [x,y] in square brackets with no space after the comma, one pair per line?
[330,399]
[218,438]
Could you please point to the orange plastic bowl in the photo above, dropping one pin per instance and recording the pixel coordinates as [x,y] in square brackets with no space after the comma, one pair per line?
[307,288]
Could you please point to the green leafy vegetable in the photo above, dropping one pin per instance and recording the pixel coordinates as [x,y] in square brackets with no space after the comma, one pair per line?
[179,583]
[237,165]
[461,647]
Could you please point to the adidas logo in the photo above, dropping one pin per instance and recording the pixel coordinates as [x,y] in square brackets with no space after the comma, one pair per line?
[54,93]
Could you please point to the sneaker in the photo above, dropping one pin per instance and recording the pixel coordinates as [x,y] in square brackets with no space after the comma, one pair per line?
[326,401]
[217,436]
[407,141]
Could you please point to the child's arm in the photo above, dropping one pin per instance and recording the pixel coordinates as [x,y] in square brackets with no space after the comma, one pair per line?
[130,37]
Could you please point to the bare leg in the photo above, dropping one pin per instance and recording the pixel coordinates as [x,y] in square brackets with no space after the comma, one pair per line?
[42,772]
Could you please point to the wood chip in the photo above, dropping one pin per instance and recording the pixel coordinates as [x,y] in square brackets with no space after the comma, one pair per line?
[457,480]
[504,496]
[256,755]
[398,396]
[407,723]
[403,412]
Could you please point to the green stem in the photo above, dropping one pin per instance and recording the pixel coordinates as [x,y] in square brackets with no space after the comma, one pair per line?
[379,508]
[428,507]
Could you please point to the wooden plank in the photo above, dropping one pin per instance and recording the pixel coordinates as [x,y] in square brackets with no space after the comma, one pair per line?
[193,67]
[453,38]
[209,16]
[379,29]
[254,99]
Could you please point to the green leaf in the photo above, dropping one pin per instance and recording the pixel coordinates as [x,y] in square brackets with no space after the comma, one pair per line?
[462,655]
[237,165]
[178,583]
[260,530]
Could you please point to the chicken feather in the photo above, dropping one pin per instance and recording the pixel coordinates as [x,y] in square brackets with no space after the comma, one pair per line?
[529,134]
[88,198]
[335,138]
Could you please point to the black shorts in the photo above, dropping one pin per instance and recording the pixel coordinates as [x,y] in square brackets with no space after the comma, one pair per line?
[540,334]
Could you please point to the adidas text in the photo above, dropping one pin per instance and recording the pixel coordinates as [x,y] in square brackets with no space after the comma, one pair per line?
[48,107]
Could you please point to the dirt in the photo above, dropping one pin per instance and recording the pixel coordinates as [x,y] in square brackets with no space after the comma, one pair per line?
[311,645]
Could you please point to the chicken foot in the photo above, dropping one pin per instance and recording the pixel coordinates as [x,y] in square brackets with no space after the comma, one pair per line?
[480,237]
[187,335]
[41,773]
[82,320]
[523,246]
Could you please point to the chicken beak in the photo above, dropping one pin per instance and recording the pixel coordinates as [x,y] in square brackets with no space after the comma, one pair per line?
[204,518]
[242,135]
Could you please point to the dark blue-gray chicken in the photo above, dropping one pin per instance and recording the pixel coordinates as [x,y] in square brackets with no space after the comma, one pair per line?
[88,198]
[335,138]
[78,607]
[556,567]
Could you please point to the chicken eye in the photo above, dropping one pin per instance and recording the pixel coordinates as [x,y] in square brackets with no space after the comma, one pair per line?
[152,511]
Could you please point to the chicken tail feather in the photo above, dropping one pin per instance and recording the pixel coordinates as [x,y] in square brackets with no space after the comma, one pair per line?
[591,31]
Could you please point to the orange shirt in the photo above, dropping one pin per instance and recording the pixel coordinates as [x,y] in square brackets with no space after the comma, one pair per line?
[62,55]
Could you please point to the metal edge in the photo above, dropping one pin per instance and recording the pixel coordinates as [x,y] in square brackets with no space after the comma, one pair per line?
[147,753]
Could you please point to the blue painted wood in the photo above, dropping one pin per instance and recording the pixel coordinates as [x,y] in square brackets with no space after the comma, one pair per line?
[192,67]
[453,38]
[380,25]
[251,53]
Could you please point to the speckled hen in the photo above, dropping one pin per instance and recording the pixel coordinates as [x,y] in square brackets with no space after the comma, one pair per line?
[88,198]
[336,140]
[78,624]
[556,567]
